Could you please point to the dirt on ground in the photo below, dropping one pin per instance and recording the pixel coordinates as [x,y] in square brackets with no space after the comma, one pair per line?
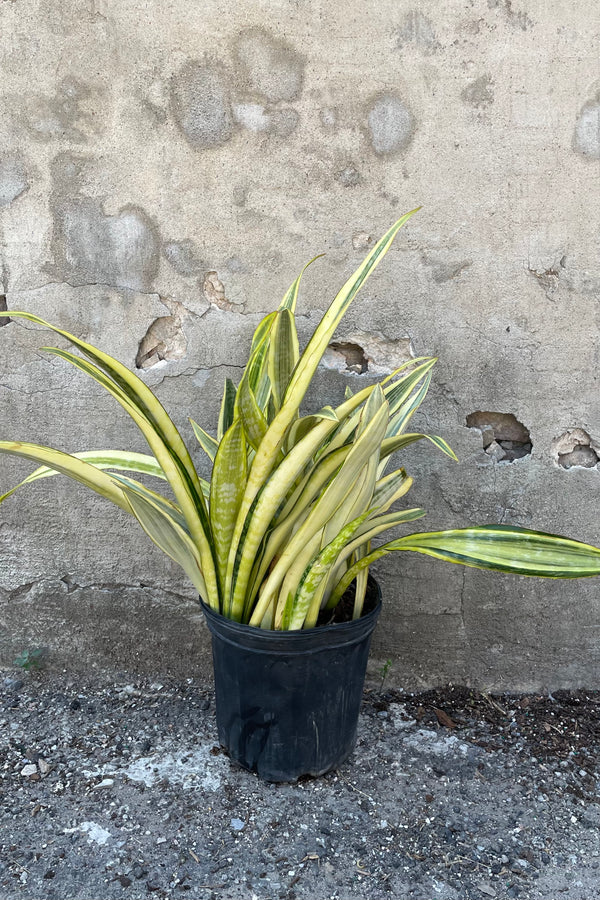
[119,790]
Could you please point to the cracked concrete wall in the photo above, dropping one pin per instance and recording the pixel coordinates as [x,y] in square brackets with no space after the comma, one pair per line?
[166,168]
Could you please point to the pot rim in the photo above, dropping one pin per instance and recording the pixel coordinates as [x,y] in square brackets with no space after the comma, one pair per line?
[321,637]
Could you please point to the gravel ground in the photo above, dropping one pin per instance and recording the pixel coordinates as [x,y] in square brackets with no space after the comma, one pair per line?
[120,790]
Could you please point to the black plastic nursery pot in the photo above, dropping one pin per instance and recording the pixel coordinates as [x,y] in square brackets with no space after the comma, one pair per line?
[287,702]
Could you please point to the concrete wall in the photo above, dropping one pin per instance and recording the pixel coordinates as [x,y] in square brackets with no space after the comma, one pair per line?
[165,170]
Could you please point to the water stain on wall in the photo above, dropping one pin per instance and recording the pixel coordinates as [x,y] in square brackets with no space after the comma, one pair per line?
[416,29]
[517,18]
[348,176]
[4,320]
[71,114]
[256,117]
[268,65]
[479,93]
[13,179]
[443,269]
[390,124]
[90,247]
[184,257]
[586,139]
[201,105]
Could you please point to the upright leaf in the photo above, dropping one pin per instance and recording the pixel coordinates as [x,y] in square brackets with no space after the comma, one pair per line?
[226,492]
[268,452]
[208,443]
[283,354]
[227,407]
[255,424]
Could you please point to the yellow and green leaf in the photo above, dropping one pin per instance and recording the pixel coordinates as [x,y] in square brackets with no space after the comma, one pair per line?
[119,460]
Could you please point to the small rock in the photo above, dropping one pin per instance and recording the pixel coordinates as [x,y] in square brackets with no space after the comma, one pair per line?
[12,684]
[361,240]
[49,874]
[204,704]
[237,824]
[487,889]
[125,881]
[487,433]
[43,766]
[153,883]
[139,871]
[105,783]
[495,451]
[29,770]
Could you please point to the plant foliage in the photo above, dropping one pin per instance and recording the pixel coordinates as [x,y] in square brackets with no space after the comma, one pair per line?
[294,501]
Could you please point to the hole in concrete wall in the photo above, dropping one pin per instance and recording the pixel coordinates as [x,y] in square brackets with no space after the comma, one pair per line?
[504,437]
[163,340]
[576,448]
[346,357]
[4,320]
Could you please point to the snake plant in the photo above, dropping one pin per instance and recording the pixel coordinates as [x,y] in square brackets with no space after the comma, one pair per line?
[295,500]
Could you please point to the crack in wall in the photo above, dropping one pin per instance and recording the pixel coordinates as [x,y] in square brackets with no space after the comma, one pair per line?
[83,284]
[193,372]
[67,584]
[549,278]
[462,604]
[4,320]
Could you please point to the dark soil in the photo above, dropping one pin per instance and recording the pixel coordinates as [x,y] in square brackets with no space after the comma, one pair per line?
[558,726]
[345,608]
